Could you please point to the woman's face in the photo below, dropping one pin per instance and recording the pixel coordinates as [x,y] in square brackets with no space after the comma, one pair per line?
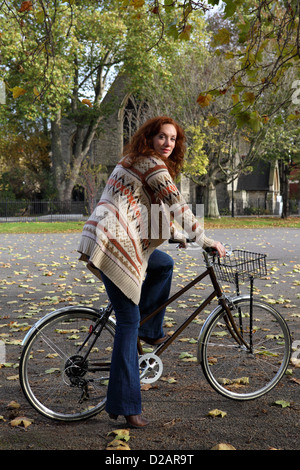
[164,142]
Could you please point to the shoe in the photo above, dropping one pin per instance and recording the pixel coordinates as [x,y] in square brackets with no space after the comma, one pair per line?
[153,341]
[135,421]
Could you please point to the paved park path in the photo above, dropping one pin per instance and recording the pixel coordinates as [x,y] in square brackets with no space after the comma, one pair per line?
[40,272]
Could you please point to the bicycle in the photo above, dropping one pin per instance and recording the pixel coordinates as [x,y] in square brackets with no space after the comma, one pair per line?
[243,346]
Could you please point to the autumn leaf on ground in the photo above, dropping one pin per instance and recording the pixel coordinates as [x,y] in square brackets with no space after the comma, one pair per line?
[146,387]
[122,434]
[282,403]
[295,362]
[117,444]
[187,357]
[119,441]
[13,377]
[214,413]
[297,381]
[21,421]
[170,380]
[223,446]
[13,405]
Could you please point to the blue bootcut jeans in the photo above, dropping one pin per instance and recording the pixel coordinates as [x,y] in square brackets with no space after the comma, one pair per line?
[124,392]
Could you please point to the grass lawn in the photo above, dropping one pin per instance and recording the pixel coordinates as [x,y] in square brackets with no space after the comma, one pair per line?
[223,222]
[41,227]
[252,222]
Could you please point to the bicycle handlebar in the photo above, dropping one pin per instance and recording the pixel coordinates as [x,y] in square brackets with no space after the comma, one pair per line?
[209,250]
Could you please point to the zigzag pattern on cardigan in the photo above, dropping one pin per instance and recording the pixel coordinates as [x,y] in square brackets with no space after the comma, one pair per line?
[120,234]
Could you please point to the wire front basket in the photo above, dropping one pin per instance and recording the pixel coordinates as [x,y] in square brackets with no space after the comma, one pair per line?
[244,264]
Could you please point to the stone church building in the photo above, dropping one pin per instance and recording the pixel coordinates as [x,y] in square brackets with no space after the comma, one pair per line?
[258,192]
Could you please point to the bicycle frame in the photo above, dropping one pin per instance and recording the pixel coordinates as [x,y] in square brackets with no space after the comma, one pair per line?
[217,292]
[104,314]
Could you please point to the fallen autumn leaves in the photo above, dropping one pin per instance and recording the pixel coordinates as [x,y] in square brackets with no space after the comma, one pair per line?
[45,275]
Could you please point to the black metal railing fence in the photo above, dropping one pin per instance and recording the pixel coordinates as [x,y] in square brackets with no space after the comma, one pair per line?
[51,211]
[41,210]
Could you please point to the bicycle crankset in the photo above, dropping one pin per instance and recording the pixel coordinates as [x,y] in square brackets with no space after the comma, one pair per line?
[151,368]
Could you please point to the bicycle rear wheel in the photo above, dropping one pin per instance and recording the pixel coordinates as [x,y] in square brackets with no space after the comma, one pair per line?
[232,369]
[55,376]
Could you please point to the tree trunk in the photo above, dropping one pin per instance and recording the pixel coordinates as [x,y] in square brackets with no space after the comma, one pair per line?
[211,203]
[66,164]
[57,157]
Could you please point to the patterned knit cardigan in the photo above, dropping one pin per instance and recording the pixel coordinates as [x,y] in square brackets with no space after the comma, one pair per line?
[133,217]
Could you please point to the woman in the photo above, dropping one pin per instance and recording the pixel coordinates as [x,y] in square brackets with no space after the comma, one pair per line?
[120,240]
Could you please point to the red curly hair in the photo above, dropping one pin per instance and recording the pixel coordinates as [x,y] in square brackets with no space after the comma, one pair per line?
[141,145]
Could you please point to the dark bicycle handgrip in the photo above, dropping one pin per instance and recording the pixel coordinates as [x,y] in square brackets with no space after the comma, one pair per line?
[172,240]
[211,251]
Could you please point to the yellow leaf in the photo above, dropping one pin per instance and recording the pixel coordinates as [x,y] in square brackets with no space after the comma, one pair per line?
[117,444]
[295,362]
[13,405]
[214,413]
[235,98]
[204,100]
[12,377]
[171,380]
[121,434]
[86,101]
[137,3]
[18,91]
[223,446]
[21,421]
[40,16]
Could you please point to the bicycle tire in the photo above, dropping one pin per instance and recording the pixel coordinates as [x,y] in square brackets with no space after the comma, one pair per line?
[52,375]
[231,369]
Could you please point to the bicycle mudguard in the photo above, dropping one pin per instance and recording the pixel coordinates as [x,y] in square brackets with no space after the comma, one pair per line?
[214,313]
[53,314]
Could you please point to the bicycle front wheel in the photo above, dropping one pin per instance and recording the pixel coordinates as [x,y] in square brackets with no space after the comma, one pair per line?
[234,370]
[56,376]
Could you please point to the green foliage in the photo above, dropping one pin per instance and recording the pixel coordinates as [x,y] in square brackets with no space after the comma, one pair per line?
[24,160]
[197,161]
[60,58]
[55,53]
[282,141]
[264,39]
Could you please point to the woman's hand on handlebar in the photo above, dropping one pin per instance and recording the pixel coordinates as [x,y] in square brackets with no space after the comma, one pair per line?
[219,248]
